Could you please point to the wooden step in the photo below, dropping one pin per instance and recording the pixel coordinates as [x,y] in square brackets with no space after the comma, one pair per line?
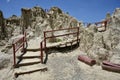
[28,72]
[34,49]
[27,63]
[27,57]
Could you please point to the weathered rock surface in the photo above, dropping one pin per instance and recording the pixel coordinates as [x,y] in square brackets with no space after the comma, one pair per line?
[3,33]
[38,20]
[13,20]
[102,45]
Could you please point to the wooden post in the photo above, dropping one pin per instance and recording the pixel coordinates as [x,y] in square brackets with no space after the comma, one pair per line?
[23,41]
[41,52]
[45,41]
[78,35]
[14,55]
[105,23]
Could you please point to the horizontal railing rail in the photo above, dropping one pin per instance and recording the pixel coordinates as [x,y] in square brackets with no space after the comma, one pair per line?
[62,35]
[43,42]
[61,29]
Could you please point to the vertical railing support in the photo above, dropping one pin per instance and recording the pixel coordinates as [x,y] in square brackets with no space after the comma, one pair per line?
[14,55]
[41,52]
[78,35]
[105,23]
[45,41]
[23,44]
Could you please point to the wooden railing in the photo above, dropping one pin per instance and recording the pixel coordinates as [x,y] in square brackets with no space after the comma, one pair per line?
[19,43]
[97,23]
[64,34]
[103,25]
[43,43]
[41,50]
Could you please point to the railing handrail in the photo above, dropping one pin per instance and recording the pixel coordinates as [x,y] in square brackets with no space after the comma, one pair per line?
[15,42]
[105,21]
[62,35]
[61,29]
[44,39]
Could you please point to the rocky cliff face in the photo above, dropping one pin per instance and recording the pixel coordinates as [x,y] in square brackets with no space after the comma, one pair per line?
[103,45]
[2,27]
[13,20]
[59,19]
[37,20]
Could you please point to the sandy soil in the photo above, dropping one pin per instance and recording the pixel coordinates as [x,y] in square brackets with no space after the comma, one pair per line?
[61,66]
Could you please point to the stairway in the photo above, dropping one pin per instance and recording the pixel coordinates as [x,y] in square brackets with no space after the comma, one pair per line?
[29,62]
[29,58]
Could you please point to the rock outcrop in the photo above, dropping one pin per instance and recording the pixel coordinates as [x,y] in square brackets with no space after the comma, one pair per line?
[13,20]
[36,20]
[26,15]
[37,12]
[102,45]
[58,19]
[3,33]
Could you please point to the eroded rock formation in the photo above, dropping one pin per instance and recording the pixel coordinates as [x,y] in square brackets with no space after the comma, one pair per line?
[26,15]
[13,20]
[103,45]
[3,33]
[37,20]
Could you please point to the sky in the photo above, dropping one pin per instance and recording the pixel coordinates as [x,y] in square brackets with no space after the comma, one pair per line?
[82,10]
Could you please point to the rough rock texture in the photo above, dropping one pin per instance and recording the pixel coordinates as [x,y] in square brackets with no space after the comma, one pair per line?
[37,12]
[2,27]
[58,19]
[13,20]
[36,20]
[103,45]
[26,15]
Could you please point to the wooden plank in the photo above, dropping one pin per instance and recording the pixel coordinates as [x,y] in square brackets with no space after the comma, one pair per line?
[26,64]
[27,57]
[28,72]
[38,49]
[34,50]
